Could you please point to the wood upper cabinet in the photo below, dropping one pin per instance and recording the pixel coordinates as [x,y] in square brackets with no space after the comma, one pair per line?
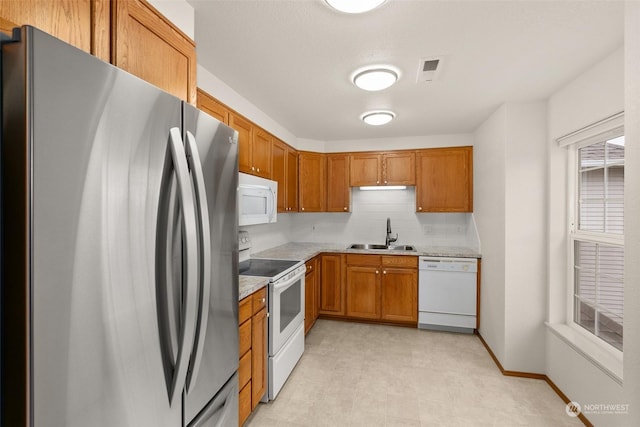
[332,295]
[382,288]
[284,170]
[311,181]
[399,168]
[311,285]
[338,190]
[386,168]
[365,169]
[444,180]
[148,45]
[261,153]
[81,23]
[254,147]
[210,105]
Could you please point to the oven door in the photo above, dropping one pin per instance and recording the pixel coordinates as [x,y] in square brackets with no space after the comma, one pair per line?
[286,310]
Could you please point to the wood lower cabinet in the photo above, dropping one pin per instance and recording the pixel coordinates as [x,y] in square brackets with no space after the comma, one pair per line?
[284,170]
[311,285]
[444,180]
[148,45]
[311,181]
[383,288]
[332,295]
[252,376]
[338,190]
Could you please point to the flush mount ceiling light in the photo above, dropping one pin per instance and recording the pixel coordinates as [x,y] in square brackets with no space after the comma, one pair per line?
[354,6]
[373,79]
[378,118]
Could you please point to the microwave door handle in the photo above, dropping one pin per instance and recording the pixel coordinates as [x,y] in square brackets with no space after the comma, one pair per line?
[204,258]
[274,204]
[190,265]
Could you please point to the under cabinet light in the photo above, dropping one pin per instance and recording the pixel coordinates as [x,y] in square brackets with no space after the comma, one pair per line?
[354,6]
[383,187]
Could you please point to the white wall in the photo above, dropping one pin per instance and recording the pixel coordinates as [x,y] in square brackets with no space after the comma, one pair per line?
[489,186]
[632,213]
[592,96]
[509,197]
[179,12]
[367,224]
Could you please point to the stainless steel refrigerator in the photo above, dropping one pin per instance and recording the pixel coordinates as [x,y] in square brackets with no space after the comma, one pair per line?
[119,247]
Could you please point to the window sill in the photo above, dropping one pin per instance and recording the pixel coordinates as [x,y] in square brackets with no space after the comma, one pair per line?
[608,360]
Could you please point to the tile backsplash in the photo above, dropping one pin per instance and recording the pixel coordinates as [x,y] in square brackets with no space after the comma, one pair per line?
[367,224]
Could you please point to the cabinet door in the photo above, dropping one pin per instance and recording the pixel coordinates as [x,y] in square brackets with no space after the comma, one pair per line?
[399,294]
[310,284]
[311,170]
[338,190]
[245,134]
[149,46]
[292,180]
[331,288]
[363,292]
[258,356]
[210,105]
[444,180]
[365,169]
[261,153]
[399,168]
[279,172]
[68,20]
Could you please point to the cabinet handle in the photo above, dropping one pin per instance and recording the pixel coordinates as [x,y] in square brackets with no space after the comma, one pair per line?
[377,272]
[377,182]
[253,168]
[344,209]
[386,182]
[384,271]
[303,209]
[258,170]
[420,208]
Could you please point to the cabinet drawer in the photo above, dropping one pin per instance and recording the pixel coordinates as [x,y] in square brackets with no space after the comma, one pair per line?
[244,403]
[259,300]
[400,261]
[244,369]
[372,260]
[244,310]
[245,337]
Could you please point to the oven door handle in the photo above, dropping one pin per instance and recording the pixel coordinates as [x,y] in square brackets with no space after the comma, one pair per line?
[279,287]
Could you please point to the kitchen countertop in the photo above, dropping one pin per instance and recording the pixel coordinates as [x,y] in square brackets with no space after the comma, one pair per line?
[304,251]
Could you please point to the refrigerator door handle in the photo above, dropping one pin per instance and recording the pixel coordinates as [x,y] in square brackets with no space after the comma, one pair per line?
[204,258]
[175,374]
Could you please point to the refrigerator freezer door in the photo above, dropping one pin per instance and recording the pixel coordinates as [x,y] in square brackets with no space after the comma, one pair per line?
[217,148]
[96,138]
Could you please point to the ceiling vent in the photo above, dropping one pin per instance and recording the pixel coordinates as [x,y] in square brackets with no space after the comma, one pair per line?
[429,69]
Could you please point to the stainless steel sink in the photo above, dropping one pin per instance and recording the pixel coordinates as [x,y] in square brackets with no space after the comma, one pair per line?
[375,246]
[401,248]
[367,246]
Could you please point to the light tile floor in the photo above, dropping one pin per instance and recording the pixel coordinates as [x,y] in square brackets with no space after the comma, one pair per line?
[354,374]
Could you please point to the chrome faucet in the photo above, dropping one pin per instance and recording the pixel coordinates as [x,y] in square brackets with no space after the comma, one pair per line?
[388,240]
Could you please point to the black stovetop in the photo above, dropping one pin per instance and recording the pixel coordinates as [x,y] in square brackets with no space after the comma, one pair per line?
[265,267]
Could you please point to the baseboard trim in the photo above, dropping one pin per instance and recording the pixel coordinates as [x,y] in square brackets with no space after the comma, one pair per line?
[554,387]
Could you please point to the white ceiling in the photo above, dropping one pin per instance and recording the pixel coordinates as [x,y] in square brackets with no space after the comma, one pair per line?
[293,58]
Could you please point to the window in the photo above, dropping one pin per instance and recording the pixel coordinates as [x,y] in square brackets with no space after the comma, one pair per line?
[597,237]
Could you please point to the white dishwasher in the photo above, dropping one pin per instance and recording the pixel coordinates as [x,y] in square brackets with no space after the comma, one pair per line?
[447,294]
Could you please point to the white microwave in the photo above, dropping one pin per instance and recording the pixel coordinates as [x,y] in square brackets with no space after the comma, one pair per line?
[257,200]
